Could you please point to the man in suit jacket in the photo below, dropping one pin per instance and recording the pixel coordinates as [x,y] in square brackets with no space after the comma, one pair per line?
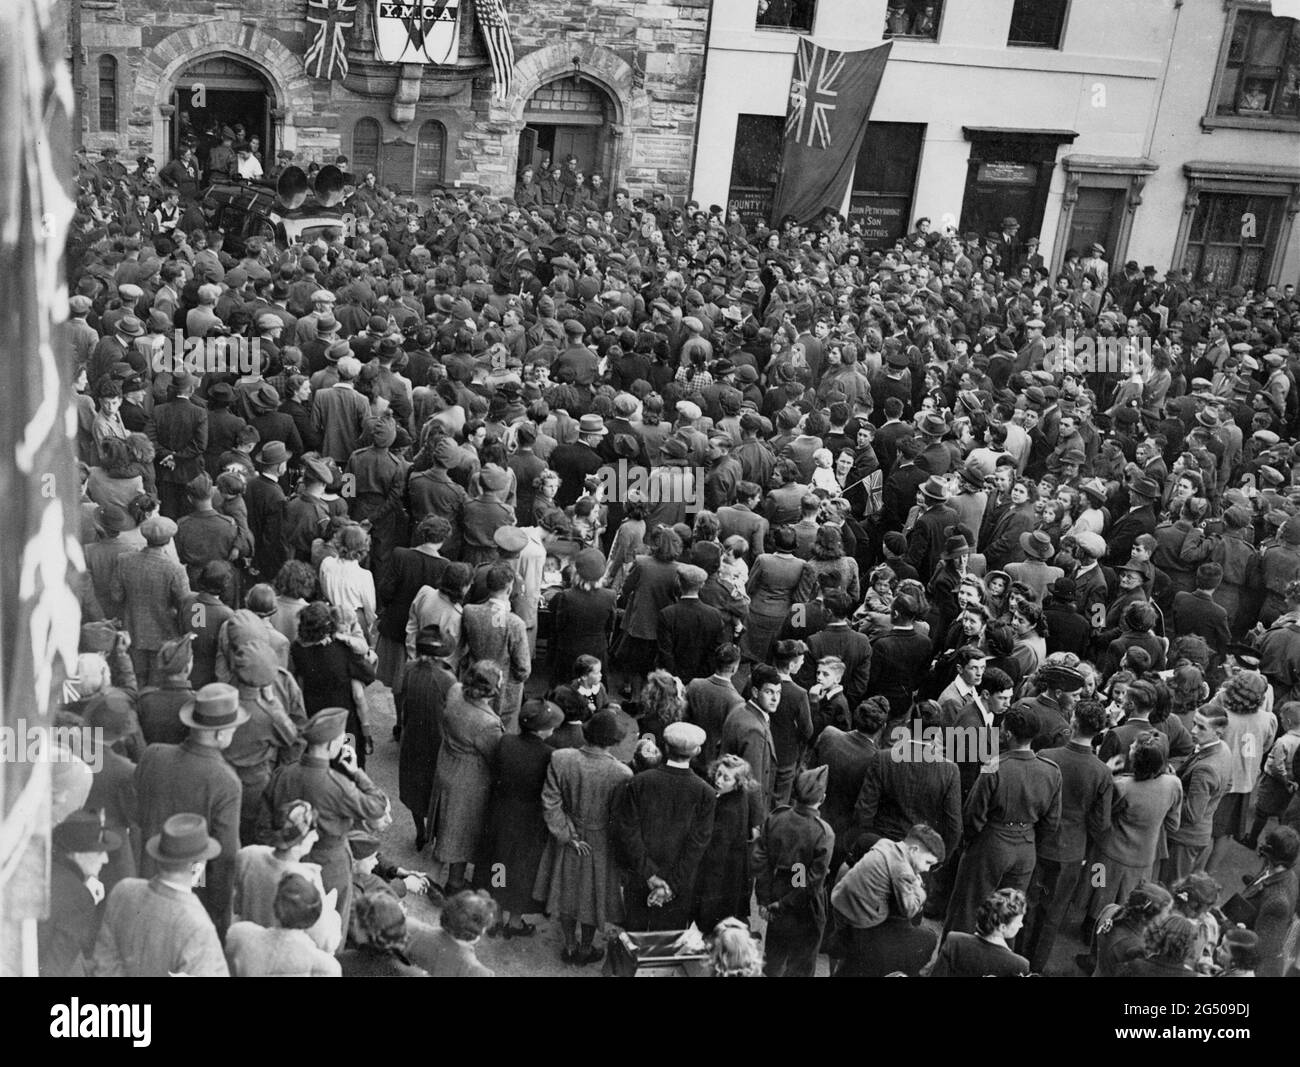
[178,430]
[709,701]
[839,639]
[339,412]
[1198,613]
[1206,775]
[925,542]
[1087,792]
[265,500]
[1140,519]
[662,824]
[910,782]
[1004,546]
[689,631]
[192,777]
[741,519]
[747,731]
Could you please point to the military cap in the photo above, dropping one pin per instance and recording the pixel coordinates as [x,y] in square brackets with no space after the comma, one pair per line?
[325,725]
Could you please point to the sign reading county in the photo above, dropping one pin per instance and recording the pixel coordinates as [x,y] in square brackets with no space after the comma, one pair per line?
[416,31]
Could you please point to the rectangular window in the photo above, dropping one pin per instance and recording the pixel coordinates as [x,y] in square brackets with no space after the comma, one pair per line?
[1232,238]
[1037,23]
[108,94]
[786,15]
[1260,77]
[755,166]
[913,18]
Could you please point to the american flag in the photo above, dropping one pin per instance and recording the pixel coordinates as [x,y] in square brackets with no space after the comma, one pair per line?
[495,24]
[328,51]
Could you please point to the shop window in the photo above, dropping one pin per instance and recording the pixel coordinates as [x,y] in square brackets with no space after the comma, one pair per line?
[108,94]
[786,15]
[1260,75]
[913,18]
[1037,23]
[755,166]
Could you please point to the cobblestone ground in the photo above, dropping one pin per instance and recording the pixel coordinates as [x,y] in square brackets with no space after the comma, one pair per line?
[539,955]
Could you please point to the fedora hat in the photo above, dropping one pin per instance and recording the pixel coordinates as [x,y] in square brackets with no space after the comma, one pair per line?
[592,424]
[933,488]
[1037,544]
[184,839]
[1096,489]
[972,475]
[1145,487]
[84,831]
[214,707]
[932,425]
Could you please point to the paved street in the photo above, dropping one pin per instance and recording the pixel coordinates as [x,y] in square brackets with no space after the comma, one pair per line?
[540,954]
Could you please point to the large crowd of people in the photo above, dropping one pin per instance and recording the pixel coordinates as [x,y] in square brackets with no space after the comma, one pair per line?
[913,607]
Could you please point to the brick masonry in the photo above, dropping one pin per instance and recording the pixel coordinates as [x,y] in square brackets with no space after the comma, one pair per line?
[645,56]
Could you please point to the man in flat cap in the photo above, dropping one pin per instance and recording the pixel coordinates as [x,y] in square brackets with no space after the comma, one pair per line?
[792,858]
[662,827]
[344,797]
[152,589]
[689,630]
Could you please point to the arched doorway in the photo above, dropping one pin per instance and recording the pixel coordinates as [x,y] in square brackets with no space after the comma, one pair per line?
[570,116]
[218,91]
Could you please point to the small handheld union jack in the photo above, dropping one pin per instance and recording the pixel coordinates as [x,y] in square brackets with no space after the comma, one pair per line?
[327,55]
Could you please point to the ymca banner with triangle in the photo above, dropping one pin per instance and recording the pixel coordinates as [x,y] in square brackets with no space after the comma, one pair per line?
[831,94]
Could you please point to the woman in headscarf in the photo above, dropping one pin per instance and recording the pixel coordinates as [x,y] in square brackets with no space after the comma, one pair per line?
[493,632]
[578,878]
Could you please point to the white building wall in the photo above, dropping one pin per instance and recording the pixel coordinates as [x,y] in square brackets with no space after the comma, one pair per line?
[1104,83]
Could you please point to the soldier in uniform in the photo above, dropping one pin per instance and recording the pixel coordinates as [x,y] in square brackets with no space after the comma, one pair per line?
[267,738]
[328,778]
[193,777]
[109,168]
[379,479]
[1016,799]
[792,857]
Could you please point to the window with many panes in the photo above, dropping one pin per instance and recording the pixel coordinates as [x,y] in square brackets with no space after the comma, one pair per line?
[108,94]
[1232,238]
[913,18]
[1260,77]
[1037,23]
[786,15]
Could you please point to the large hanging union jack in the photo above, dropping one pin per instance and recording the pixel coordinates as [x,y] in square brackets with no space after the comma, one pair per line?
[327,55]
[813,95]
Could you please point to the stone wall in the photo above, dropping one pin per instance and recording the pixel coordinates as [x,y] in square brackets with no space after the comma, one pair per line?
[646,55]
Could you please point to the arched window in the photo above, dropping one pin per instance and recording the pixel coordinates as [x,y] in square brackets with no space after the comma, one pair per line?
[429,152]
[108,94]
[365,148]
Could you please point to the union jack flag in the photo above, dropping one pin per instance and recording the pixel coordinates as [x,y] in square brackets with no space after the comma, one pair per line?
[328,50]
[813,95]
[495,24]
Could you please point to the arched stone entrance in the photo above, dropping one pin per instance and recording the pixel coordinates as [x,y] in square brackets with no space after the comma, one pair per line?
[569,117]
[599,72]
[263,56]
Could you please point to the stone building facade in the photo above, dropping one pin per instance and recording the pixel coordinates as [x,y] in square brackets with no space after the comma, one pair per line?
[614,82]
